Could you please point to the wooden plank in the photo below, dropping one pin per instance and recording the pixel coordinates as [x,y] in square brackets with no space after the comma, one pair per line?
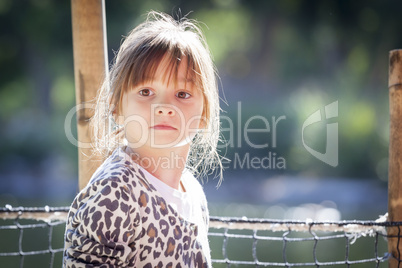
[89,69]
[395,154]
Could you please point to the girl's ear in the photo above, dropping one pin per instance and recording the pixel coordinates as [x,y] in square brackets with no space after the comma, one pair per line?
[203,122]
[118,119]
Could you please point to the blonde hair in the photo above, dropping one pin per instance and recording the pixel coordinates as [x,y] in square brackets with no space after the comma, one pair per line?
[159,37]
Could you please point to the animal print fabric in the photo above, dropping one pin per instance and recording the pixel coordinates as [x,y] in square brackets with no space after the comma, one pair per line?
[120,220]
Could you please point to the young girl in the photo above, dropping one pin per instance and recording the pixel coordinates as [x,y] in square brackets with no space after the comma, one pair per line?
[157,118]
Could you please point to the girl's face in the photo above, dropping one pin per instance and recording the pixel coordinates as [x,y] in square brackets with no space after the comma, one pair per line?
[160,113]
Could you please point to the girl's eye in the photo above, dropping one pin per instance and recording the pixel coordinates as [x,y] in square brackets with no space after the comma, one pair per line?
[183,95]
[146,92]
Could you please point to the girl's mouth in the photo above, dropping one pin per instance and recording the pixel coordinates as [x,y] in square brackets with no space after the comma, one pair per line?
[163,127]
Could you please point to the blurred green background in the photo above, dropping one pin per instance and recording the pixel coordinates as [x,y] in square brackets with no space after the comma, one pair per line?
[275,58]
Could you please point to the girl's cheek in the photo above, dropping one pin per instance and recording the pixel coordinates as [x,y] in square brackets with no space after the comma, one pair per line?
[195,123]
[136,132]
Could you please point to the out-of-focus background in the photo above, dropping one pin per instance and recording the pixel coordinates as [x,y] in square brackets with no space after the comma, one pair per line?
[279,61]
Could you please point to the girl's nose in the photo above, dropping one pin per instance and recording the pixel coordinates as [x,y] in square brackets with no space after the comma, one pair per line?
[165,110]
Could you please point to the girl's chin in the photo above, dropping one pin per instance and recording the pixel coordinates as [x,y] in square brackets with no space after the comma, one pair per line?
[166,145]
[161,142]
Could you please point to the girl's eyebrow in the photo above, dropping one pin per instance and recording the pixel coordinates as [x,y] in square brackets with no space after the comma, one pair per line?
[148,79]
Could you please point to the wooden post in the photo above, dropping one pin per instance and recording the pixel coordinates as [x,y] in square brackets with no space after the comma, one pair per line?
[90,64]
[395,154]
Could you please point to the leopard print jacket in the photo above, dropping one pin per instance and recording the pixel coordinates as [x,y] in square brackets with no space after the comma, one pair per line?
[120,220]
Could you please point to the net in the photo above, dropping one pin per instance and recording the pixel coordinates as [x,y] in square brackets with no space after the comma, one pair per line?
[274,243]
[33,237]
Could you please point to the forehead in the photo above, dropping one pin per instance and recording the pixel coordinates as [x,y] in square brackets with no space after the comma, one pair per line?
[171,70]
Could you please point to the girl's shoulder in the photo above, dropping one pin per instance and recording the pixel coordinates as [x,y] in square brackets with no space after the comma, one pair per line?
[117,180]
[193,186]
[118,169]
[195,189]
[190,181]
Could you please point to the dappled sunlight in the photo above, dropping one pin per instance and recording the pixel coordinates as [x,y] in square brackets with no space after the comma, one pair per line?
[358,120]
